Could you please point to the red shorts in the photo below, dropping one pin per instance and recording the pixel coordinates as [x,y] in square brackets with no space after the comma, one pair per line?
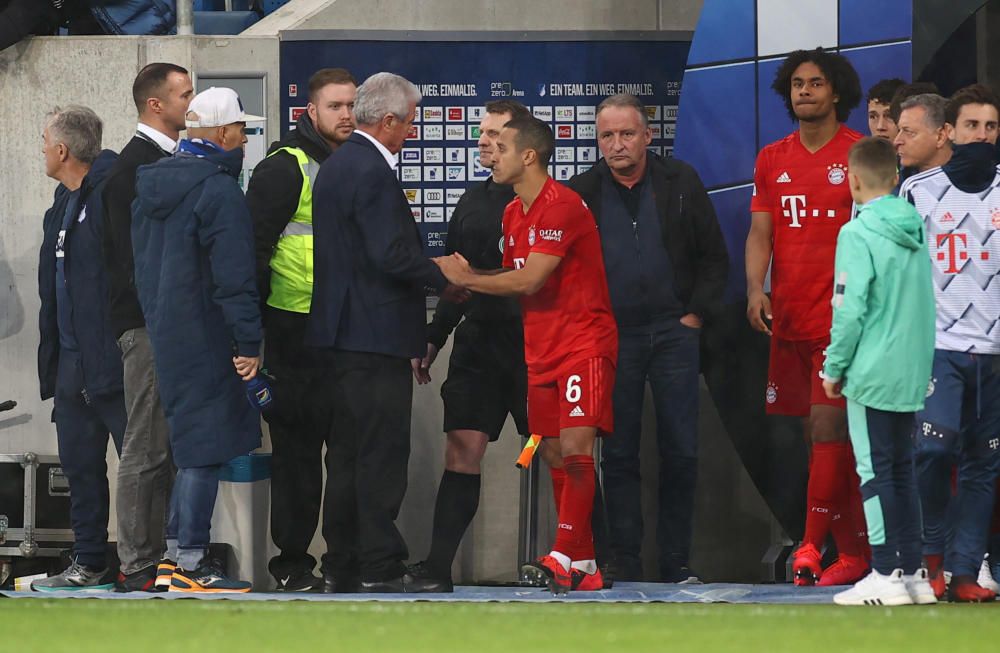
[580,395]
[793,377]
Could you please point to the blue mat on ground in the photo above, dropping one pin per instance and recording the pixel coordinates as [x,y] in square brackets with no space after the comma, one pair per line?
[622,593]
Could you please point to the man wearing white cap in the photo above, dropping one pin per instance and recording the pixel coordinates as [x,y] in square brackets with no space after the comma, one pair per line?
[194,273]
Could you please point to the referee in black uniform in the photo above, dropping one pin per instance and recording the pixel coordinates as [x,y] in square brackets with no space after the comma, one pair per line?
[486,374]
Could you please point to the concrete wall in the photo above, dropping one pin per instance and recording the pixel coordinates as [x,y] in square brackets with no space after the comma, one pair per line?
[483,15]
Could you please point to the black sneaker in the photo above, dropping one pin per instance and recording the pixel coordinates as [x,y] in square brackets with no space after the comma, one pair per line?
[143,580]
[420,578]
[303,581]
[682,575]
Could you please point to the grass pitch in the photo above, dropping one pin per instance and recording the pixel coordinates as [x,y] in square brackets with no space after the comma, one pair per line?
[151,626]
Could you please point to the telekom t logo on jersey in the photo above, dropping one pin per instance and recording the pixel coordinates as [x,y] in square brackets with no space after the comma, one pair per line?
[953,249]
[794,207]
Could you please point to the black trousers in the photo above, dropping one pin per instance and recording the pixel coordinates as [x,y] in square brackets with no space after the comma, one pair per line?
[299,426]
[368,450]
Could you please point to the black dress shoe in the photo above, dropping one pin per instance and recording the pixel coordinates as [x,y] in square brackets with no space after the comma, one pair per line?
[340,584]
[390,586]
[419,578]
[608,575]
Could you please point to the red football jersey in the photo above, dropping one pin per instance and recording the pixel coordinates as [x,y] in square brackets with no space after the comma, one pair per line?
[809,199]
[570,317]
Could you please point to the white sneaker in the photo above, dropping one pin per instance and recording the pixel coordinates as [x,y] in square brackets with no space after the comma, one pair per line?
[876,589]
[919,587]
[986,580]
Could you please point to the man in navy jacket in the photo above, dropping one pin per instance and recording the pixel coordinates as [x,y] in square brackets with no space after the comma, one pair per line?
[78,359]
[194,273]
[368,314]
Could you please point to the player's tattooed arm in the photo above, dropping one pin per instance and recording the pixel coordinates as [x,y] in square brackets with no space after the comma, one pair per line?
[760,243]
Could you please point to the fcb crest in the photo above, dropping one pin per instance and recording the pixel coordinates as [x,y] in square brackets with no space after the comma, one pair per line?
[836,173]
[531,235]
[995,217]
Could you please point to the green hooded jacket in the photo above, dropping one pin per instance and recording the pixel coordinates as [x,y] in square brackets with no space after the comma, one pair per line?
[882,338]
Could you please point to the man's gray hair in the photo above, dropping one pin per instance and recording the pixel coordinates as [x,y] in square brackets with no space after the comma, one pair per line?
[382,94]
[78,128]
[624,101]
[933,105]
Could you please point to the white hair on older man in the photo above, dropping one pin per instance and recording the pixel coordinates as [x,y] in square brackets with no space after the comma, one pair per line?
[382,94]
[78,128]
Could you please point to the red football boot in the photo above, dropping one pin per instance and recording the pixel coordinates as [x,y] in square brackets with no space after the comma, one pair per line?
[847,570]
[807,565]
[965,589]
[547,571]
[935,574]
[584,582]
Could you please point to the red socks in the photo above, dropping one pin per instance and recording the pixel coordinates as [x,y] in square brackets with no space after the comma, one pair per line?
[558,475]
[850,531]
[828,473]
[574,537]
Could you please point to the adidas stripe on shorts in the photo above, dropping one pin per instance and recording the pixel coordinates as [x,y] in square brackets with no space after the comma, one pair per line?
[580,395]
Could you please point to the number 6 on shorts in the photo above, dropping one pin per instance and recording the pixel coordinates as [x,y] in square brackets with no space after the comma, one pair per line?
[573,389]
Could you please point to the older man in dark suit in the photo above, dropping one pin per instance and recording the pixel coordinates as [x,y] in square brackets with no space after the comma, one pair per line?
[368,316]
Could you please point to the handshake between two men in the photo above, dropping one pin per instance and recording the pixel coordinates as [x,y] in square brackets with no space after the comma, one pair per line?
[455,268]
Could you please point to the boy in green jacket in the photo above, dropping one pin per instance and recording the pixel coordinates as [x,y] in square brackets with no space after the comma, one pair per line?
[880,354]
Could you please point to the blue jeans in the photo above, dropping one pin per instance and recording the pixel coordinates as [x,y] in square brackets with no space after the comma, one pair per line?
[668,358]
[960,425]
[191,506]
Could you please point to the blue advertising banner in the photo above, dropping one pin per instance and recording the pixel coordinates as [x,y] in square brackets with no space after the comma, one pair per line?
[561,81]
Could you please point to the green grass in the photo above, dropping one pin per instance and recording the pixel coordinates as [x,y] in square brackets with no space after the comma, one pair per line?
[188,626]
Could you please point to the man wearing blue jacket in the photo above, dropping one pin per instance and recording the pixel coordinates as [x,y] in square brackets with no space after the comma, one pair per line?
[78,360]
[194,272]
[368,315]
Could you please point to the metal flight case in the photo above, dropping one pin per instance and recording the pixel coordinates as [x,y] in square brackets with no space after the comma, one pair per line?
[34,510]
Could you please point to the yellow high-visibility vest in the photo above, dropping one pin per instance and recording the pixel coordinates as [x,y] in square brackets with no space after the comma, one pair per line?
[292,262]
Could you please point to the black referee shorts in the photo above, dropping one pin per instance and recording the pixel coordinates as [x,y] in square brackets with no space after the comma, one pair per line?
[487,379]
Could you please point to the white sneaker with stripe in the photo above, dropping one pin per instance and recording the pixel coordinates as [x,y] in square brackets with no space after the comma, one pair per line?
[876,589]
[919,587]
